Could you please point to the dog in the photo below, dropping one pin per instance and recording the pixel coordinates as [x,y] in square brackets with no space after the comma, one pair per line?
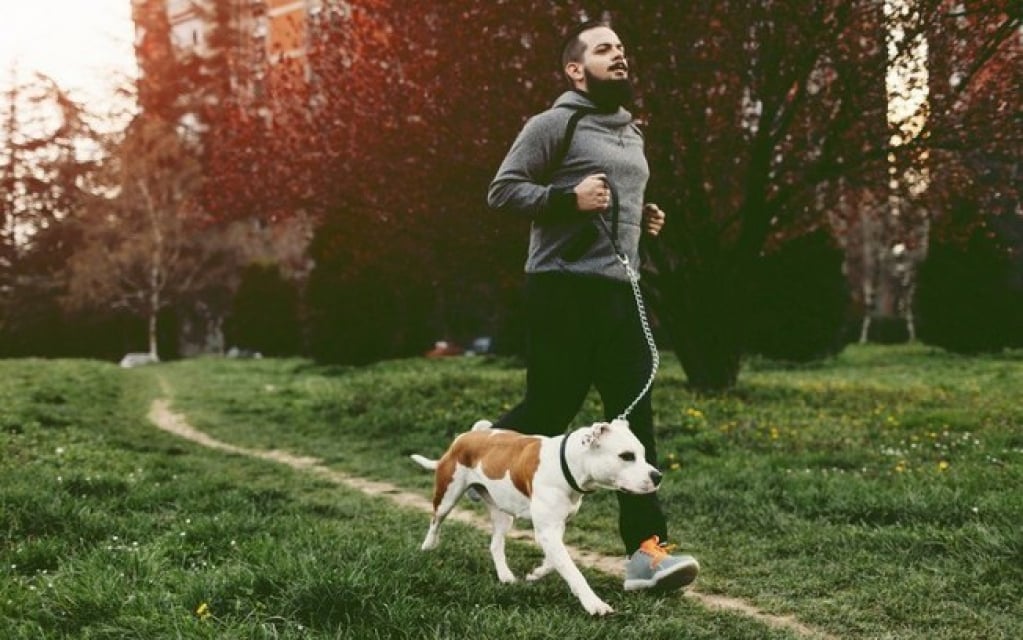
[539,478]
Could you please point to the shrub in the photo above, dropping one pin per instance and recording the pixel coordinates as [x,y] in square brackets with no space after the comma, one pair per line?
[969,297]
[799,301]
[264,316]
[364,303]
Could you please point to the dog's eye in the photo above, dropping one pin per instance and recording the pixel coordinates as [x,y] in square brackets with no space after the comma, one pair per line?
[628,456]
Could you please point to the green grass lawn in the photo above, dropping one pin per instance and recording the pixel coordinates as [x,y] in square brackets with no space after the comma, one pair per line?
[876,495]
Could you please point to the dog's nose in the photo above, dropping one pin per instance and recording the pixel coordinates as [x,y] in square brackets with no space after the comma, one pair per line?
[655,477]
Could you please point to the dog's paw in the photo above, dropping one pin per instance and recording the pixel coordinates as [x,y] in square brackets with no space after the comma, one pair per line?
[598,608]
[431,542]
[538,573]
[507,578]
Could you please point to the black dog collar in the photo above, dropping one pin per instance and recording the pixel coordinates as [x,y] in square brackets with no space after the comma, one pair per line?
[564,468]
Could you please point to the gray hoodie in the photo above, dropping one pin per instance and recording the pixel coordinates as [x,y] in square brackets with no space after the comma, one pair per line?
[526,185]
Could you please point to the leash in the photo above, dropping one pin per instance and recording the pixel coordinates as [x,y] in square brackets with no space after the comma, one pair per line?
[648,334]
[612,233]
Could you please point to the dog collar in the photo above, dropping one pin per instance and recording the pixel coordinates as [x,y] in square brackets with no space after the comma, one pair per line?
[565,470]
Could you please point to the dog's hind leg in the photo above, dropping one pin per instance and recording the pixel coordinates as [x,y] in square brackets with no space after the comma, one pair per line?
[433,533]
[448,489]
[502,525]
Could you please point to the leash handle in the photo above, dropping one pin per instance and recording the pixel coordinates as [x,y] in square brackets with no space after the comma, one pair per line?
[612,233]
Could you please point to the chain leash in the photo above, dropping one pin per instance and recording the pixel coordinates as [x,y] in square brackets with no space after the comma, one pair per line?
[655,356]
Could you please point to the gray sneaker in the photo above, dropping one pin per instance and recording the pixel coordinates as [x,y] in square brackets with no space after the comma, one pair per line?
[652,567]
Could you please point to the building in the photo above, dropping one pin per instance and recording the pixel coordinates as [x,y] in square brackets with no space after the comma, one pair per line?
[244,43]
[260,36]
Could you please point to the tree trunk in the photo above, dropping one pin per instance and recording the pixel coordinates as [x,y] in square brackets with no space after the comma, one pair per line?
[703,317]
[152,335]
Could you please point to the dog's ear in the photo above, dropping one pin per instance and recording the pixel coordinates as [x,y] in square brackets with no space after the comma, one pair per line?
[594,433]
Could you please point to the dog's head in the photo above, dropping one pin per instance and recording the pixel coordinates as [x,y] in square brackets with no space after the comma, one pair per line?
[616,459]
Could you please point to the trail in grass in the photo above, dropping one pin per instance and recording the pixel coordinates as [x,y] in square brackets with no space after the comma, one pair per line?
[161,415]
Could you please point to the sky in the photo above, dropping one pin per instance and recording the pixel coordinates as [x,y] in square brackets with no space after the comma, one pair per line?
[86,46]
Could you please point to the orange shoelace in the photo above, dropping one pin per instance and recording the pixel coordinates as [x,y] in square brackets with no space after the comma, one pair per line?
[653,548]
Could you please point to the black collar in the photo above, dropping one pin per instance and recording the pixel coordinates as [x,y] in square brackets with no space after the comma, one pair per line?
[564,468]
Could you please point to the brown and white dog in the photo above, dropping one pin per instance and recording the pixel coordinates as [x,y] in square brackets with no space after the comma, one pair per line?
[540,478]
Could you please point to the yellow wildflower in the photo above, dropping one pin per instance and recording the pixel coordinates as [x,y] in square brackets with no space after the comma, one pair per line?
[203,611]
[943,465]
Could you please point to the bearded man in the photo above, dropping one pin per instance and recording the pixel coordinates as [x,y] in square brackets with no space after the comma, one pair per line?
[578,172]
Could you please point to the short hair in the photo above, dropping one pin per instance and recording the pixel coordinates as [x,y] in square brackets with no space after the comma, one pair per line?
[572,47]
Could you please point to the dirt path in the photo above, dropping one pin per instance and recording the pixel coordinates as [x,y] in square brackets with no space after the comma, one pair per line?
[161,415]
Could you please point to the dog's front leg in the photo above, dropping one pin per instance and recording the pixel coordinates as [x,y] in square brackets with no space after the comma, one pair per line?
[544,568]
[550,536]
[502,524]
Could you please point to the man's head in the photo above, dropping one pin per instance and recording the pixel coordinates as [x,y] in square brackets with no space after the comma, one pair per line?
[593,60]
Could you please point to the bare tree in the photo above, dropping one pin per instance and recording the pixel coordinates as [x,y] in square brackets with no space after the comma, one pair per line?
[142,251]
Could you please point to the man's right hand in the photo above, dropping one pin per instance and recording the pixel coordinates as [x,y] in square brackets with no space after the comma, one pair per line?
[593,193]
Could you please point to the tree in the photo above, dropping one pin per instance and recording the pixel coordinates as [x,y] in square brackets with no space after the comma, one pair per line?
[764,122]
[142,253]
[390,145]
[760,113]
[964,142]
[44,176]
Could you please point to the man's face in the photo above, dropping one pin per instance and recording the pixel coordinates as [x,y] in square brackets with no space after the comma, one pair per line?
[604,58]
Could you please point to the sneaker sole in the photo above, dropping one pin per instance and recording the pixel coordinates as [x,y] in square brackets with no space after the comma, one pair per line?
[679,576]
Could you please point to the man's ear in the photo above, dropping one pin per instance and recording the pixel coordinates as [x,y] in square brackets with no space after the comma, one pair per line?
[593,434]
[574,71]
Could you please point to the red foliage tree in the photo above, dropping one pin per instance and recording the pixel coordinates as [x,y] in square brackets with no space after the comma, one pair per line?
[764,120]
[389,126]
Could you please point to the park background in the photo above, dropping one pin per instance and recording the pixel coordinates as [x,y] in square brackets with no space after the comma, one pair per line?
[838,294]
[309,179]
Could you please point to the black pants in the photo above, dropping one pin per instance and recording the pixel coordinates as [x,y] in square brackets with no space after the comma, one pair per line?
[584,332]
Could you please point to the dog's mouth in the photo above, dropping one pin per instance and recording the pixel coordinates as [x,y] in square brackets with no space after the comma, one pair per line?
[652,488]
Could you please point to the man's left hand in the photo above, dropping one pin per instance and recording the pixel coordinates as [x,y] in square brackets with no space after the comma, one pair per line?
[653,219]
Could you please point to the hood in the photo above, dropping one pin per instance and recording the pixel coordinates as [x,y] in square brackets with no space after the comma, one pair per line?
[579,100]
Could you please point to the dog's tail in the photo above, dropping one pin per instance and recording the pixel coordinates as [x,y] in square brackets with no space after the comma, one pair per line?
[482,425]
[423,462]
[431,465]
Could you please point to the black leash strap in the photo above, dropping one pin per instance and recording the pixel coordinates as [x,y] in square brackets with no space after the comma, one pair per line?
[566,140]
[612,232]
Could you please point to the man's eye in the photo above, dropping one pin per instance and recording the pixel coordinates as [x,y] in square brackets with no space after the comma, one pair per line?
[628,456]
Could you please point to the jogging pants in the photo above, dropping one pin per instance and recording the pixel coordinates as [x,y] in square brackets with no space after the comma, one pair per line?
[585,332]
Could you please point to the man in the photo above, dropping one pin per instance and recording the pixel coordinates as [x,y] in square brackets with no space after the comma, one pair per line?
[586,206]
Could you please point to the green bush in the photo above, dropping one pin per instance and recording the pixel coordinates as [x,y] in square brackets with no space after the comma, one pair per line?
[265,313]
[799,301]
[969,298]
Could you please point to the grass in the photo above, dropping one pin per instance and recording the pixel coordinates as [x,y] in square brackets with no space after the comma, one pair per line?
[875,495]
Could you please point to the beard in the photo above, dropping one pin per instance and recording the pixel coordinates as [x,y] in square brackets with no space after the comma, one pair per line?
[608,95]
